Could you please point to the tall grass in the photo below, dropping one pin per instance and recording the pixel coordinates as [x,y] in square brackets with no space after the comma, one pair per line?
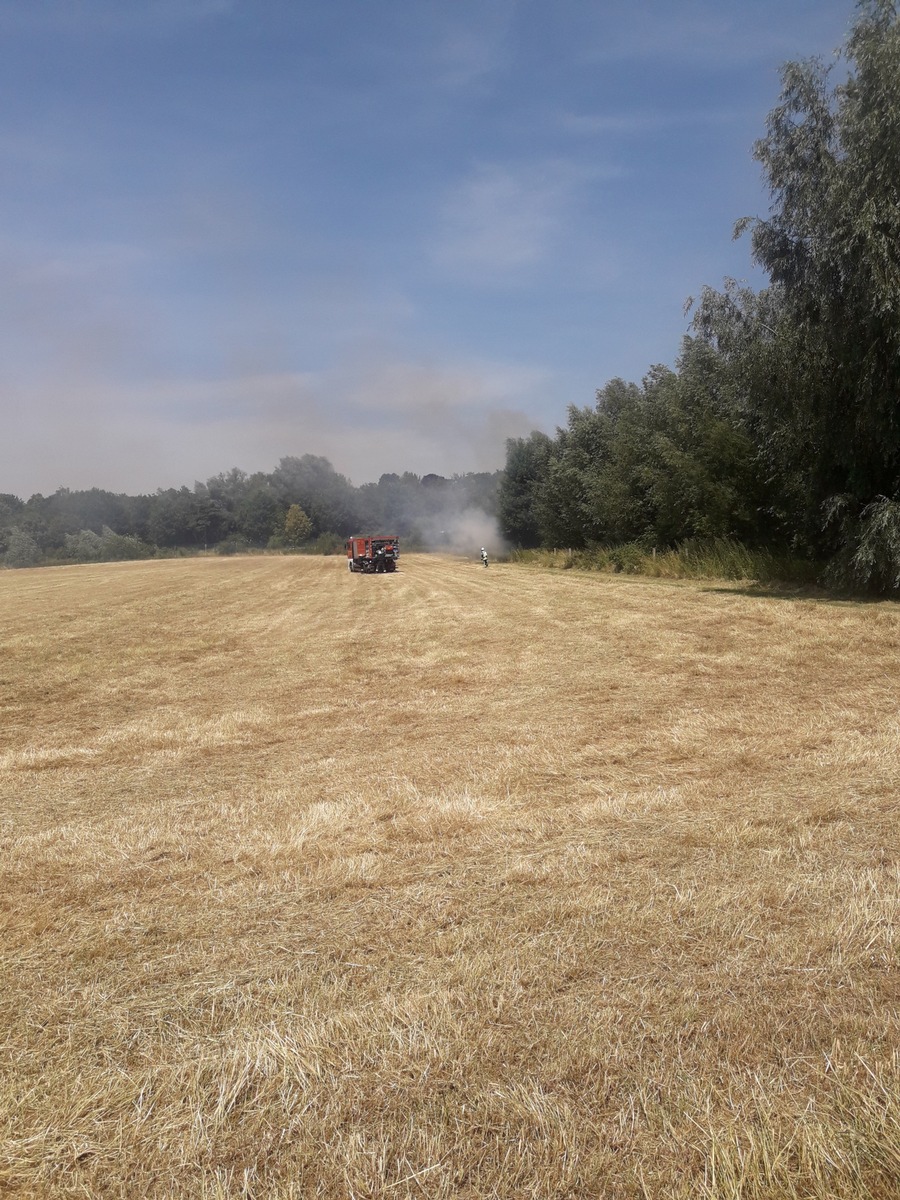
[717,558]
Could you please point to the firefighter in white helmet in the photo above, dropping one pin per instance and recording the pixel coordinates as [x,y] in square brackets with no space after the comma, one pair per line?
[484,558]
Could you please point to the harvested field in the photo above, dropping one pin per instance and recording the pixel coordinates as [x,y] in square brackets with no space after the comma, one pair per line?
[453,883]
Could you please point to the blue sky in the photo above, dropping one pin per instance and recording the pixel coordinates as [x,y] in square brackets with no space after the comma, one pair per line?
[392,232]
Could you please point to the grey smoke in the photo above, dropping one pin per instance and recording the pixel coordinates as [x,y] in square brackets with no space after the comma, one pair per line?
[463,533]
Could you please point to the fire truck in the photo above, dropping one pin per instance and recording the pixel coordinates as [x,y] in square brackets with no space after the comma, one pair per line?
[373,555]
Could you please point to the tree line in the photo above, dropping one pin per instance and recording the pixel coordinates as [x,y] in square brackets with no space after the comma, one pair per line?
[780,423]
[303,503]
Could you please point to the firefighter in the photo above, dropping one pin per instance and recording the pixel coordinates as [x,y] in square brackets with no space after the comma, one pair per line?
[484,556]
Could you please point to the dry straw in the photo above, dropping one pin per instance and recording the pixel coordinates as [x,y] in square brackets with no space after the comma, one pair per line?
[453,883]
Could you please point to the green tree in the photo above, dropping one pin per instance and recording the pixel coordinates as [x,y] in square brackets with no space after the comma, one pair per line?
[831,246]
[297,526]
[526,466]
[698,462]
[612,441]
[10,507]
[84,546]
[122,546]
[181,517]
[258,516]
[312,482]
[22,550]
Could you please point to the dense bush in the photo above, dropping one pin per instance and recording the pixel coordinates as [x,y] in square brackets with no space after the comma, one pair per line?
[22,550]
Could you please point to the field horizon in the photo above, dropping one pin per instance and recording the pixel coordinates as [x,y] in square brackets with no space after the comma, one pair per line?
[505,883]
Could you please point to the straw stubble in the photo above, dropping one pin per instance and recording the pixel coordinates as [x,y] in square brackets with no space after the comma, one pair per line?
[452,883]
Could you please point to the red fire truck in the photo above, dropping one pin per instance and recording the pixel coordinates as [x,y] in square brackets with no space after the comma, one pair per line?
[373,554]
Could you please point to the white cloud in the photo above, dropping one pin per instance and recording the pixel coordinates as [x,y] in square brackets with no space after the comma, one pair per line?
[502,220]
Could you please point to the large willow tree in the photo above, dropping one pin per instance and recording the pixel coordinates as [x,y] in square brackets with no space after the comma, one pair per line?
[826,387]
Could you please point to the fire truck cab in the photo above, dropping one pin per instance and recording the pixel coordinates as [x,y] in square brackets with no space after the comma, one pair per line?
[373,555]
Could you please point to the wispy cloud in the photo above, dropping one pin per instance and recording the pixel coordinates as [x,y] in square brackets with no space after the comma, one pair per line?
[34,150]
[694,32]
[86,262]
[642,122]
[503,220]
[107,16]
[471,42]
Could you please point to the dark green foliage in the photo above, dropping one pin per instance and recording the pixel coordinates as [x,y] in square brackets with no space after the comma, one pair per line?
[876,556]
[654,464]
[258,515]
[628,558]
[832,249]
[707,478]
[236,544]
[10,506]
[868,556]
[181,517]
[527,460]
